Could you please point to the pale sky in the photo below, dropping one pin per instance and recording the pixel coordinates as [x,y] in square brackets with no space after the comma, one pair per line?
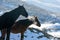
[52,5]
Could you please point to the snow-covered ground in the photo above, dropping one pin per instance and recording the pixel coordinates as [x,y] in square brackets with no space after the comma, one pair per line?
[52,29]
[43,28]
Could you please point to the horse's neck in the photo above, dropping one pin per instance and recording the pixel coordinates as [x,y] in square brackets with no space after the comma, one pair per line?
[33,21]
[29,22]
[15,12]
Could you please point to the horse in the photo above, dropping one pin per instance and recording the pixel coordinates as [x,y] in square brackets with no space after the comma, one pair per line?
[9,18]
[22,25]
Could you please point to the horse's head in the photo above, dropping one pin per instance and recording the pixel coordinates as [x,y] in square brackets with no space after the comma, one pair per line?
[22,11]
[35,20]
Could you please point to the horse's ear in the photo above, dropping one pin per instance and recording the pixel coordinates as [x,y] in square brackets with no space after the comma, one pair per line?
[19,6]
[35,16]
[23,5]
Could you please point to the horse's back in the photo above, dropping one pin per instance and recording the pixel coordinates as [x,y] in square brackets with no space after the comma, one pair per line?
[23,22]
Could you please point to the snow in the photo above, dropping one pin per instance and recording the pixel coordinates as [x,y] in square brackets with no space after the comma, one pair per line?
[48,26]
[55,34]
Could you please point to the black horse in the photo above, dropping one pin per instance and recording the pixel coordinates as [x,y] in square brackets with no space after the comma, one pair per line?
[8,19]
[22,25]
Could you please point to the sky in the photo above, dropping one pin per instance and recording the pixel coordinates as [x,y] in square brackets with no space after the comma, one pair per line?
[51,5]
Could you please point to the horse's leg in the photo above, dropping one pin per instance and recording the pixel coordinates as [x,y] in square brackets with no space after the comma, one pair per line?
[8,33]
[3,34]
[22,36]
